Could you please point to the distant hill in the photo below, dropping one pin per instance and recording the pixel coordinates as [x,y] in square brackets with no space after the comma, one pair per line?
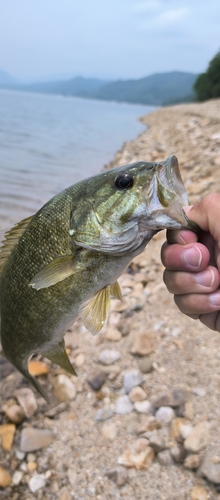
[158,89]
[155,89]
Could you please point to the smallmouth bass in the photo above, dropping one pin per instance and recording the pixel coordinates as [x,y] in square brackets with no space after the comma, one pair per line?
[64,261]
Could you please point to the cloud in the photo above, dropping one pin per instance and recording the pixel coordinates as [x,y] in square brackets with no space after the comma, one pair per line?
[170,17]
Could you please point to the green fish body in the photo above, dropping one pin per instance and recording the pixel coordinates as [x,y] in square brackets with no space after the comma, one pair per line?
[64,261]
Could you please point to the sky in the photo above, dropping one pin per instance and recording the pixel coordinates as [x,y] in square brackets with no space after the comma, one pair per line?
[109,39]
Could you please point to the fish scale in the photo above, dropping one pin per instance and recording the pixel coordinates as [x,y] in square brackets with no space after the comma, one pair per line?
[64,261]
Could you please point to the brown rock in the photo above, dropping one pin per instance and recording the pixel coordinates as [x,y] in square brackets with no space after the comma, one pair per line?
[63,388]
[143,343]
[139,456]
[173,398]
[175,429]
[137,394]
[178,453]
[5,478]
[148,424]
[7,432]
[198,493]
[113,334]
[192,461]
[15,414]
[198,438]
[37,368]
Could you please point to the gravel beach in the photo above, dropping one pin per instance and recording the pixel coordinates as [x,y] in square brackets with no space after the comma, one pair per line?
[142,419]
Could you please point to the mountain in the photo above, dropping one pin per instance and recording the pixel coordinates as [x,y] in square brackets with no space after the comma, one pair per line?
[79,86]
[158,89]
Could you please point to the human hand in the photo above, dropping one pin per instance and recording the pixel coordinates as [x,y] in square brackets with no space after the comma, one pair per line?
[192,264]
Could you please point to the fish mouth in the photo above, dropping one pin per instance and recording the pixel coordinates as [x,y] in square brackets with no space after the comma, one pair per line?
[168,196]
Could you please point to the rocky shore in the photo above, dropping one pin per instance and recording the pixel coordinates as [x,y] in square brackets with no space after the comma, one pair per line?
[142,419]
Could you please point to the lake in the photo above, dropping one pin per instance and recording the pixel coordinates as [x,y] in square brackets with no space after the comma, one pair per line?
[50,142]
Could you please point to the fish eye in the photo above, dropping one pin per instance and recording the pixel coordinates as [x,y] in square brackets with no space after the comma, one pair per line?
[124,181]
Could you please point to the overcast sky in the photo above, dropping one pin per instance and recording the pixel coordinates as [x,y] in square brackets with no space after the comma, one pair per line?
[107,38]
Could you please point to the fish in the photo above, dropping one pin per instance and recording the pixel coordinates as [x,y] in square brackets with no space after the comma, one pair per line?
[64,262]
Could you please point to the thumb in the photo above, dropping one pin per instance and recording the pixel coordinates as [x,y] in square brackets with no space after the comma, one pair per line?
[206,214]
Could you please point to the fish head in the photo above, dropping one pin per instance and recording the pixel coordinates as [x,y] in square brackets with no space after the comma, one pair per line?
[124,207]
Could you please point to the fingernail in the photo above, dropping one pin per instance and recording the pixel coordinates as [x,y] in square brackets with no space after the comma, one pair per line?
[205,278]
[192,256]
[215,299]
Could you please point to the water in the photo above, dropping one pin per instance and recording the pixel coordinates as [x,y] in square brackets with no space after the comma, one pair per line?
[50,142]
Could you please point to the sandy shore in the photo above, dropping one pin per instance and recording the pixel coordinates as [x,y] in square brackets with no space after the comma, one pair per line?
[92,454]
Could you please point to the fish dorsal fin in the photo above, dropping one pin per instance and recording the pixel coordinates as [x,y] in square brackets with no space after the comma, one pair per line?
[11,239]
[115,291]
[56,271]
[94,312]
[59,356]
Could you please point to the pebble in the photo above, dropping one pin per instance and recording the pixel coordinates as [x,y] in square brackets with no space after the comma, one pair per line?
[119,475]
[132,378]
[27,401]
[142,343]
[192,461]
[17,477]
[108,356]
[165,414]
[148,424]
[164,457]
[5,478]
[72,475]
[137,394]
[173,398]
[35,439]
[145,364]
[103,414]
[7,432]
[37,482]
[210,469]
[15,414]
[178,453]
[31,466]
[156,441]
[198,493]
[139,456]
[175,429]
[37,368]
[143,406]
[63,388]
[109,430]
[79,360]
[111,369]
[113,334]
[96,380]
[123,405]
[198,438]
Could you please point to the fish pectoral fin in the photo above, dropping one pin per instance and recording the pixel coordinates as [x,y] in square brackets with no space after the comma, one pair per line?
[58,270]
[11,239]
[115,291]
[94,312]
[59,356]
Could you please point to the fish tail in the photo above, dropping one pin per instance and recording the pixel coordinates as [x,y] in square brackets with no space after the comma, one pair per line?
[34,382]
[38,386]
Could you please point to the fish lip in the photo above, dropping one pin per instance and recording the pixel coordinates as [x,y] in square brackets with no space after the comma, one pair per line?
[174,178]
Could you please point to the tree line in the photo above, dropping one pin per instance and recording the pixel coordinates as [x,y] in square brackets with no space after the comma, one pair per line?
[207,85]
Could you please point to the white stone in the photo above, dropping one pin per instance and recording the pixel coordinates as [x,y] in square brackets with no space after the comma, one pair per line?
[37,482]
[165,414]
[132,378]
[123,405]
[109,356]
[143,406]
[17,477]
